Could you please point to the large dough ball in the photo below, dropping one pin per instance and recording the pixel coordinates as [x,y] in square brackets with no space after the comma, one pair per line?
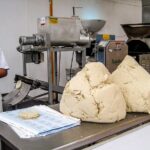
[134,82]
[89,97]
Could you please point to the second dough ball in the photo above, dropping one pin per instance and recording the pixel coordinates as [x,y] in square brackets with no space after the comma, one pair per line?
[134,82]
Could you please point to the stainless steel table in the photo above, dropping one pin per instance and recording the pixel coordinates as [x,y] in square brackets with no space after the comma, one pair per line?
[74,138]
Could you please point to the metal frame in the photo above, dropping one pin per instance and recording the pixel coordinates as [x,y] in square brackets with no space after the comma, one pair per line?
[58,49]
[49,46]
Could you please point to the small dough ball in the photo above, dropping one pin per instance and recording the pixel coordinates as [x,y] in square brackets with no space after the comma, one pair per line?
[29,115]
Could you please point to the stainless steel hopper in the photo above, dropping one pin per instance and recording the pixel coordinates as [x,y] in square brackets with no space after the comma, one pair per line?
[92,26]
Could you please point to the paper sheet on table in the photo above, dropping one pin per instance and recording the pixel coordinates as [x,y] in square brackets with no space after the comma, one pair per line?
[50,121]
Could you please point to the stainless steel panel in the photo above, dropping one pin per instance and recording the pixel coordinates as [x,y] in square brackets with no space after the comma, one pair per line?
[115,53]
[92,26]
[60,30]
[146,14]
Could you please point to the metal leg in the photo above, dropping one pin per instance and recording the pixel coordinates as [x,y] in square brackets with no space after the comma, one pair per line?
[1,104]
[49,73]
[83,57]
[24,65]
[1,109]
[56,75]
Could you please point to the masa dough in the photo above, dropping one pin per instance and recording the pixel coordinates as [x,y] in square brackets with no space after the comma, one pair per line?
[134,82]
[29,115]
[89,97]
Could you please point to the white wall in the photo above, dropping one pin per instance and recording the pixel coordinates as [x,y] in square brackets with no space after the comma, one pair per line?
[18,17]
[115,12]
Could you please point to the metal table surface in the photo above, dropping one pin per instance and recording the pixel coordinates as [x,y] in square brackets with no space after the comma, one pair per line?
[86,133]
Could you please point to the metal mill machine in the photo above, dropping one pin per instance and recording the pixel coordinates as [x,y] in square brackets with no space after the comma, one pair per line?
[57,34]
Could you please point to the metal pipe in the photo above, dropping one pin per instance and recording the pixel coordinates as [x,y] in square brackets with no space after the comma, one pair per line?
[49,69]
[73,9]
[24,65]
[50,97]
[51,8]
[52,52]
[83,57]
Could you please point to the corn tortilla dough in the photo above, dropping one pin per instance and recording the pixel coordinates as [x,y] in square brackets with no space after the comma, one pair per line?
[89,97]
[29,115]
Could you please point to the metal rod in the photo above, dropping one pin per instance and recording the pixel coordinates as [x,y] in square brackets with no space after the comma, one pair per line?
[73,9]
[51,8]
[83,57]
[56,70]
[50,98]
[24,65]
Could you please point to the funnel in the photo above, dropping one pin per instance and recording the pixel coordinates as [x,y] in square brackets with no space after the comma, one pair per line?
[92,26]
[137,30]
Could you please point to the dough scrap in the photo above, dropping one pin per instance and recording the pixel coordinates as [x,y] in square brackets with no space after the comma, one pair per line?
[134,82]
[29,115]
[89,97]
